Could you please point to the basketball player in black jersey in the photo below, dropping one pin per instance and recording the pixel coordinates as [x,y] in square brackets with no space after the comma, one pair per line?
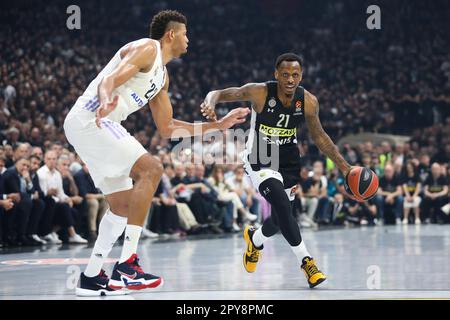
[272,158]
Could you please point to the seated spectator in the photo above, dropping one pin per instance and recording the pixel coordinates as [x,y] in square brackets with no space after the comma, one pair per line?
[435,195]
[78,209]
[164,219]
[6,203]
[239,183]
[226,194]
[187,219]
[22,150]
[9,155]
[424,167]
[334,181]
[338,209]
[94,199]
[36,138]
[37,151]
[58,204]
[389,195]
[320,180]
[17,180]
[179,174]
[411,188]
[361,213]
[309,193]
[38,200]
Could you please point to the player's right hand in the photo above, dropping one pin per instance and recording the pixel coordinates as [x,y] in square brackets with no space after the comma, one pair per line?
[233,117]
[105,109]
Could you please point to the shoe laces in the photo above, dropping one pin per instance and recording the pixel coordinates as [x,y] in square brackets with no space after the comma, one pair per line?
[103,274]
[254,255]
[310,267]
[135,265]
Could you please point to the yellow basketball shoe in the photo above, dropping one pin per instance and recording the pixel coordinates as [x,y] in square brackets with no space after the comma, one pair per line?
[312,273]
[251,255]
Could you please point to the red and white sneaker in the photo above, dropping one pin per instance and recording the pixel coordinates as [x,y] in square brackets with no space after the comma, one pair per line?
[129,275]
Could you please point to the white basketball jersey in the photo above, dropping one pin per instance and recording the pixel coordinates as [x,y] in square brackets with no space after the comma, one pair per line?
[133,94]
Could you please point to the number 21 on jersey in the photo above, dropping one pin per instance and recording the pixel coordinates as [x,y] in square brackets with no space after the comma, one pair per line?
[283,118]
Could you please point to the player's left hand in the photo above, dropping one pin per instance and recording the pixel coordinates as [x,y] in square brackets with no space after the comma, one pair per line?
[208,107]
[208,113]
[233,117]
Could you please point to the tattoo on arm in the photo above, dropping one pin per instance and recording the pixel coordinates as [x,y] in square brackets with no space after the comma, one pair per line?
[321,138]
[234,94]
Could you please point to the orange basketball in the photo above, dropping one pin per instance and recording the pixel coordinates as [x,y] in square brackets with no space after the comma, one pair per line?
[361,183]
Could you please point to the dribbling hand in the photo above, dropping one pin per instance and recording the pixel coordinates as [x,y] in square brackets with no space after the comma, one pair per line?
[105,109]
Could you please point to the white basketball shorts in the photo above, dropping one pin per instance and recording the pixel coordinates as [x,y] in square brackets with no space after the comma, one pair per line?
[109,152]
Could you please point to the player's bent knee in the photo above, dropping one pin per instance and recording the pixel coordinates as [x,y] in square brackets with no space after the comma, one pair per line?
[147,167]
[120,209]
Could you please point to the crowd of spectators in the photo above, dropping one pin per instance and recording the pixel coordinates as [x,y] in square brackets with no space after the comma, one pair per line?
[395,80]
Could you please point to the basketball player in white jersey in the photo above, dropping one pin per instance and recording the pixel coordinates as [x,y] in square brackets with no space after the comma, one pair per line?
[134,76]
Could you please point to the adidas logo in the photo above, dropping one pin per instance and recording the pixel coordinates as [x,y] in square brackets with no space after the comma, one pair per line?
[98,255]
[127,238]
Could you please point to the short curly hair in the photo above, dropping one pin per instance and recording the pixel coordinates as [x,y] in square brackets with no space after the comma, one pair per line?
[289,56]
[158,26]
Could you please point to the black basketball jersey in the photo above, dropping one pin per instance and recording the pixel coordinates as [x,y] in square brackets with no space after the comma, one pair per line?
[272,141]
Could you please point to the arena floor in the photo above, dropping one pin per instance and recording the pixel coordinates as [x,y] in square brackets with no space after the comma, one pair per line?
[390,262]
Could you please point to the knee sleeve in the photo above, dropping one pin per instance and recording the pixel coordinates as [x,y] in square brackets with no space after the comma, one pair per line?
[273,191]
[270,225]
[110,228]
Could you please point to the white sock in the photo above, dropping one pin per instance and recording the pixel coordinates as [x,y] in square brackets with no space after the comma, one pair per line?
[132,234]
[110,228]
[300,251]
[258,238]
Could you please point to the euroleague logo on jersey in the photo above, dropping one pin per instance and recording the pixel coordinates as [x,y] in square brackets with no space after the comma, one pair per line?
[298,108]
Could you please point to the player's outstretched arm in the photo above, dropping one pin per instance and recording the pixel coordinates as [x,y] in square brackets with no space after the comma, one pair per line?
[253,92]
[138,57]
[168,127]
[319,136]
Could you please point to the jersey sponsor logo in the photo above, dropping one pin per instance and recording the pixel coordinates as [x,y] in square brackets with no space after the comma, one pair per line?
[279,142]
[137,99]
[277,132]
